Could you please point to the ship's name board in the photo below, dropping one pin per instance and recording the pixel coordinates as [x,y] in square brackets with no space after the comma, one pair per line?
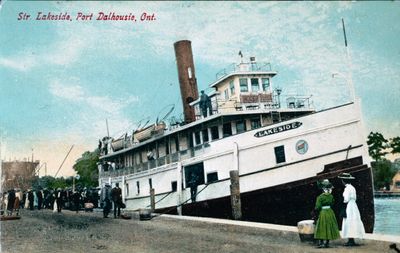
[278,129]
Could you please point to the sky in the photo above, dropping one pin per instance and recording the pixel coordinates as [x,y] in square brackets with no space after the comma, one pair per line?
[61,80]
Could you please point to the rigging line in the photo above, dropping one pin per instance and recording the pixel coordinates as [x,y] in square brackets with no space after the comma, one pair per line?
[64,160]
[172,208]
[161,199]
[349,76]
[172,108]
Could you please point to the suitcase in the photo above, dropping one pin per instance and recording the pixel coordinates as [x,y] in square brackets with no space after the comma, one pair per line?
[88,207]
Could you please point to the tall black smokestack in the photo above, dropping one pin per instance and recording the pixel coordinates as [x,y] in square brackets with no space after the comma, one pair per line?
[187,77]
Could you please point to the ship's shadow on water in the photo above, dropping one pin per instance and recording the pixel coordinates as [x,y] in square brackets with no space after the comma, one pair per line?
[387,216]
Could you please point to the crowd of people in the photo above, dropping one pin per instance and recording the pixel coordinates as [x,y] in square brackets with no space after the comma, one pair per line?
[58,199]
[326,227]
[55,199]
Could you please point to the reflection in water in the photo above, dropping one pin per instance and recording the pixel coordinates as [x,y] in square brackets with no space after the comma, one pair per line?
[387,219]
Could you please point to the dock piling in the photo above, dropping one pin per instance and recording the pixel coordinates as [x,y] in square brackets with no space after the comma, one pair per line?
[152,200]
[235,195]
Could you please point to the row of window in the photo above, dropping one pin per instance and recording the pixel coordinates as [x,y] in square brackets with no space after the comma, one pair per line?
[248,85]
[213,176]
[254,84]
[204,136]
[226,130]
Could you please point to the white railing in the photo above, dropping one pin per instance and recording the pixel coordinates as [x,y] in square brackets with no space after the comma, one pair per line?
[152,164]
[243,67]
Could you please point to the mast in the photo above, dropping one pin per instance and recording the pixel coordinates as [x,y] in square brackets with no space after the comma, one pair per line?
[108,133]
[349,75]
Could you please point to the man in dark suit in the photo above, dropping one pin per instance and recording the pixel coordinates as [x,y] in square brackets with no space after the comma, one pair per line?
[116,195]
[59,194]
[30,199]
[39,195]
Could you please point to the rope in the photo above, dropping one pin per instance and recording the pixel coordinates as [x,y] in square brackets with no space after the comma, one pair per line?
[168,210]
[160,199]
[172,208]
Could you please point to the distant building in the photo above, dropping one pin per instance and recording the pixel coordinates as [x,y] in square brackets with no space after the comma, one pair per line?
[395,187]
[18,174]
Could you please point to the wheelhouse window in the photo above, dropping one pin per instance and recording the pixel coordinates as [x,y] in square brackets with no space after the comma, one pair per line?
[255,123]
[243,85]
[227,129]
[280,154]
[232,87]
[214,133]
[212,177]
[226,94]
[255,86]
[240,126]
[265,84]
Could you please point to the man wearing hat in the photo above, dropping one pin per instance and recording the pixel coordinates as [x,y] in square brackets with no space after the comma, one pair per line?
[326,228]
[106,199]
[352,226]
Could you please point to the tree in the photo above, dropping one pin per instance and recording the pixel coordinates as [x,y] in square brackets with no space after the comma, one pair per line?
[394,144]
[383,173]
[50,182]
[376,146]
[86,168]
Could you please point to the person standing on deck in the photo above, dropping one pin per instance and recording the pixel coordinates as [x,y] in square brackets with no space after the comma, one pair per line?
[193,182]
[352,226]
[326,228]
[205,104]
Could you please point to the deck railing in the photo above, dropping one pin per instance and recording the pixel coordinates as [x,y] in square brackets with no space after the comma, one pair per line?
[243,67]
[152,164]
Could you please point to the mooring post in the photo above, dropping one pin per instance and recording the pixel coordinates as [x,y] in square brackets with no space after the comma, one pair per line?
[235,195]
[152,200]
[179,188]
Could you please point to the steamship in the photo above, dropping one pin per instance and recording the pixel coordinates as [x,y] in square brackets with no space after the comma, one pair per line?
[279,148]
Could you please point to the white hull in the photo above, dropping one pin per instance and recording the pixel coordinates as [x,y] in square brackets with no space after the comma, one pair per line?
[329,135]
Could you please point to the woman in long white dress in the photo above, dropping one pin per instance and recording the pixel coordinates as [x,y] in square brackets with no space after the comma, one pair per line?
[352,226]
[26,206]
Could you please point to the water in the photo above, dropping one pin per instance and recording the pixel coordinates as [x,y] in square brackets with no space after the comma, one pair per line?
[387,216]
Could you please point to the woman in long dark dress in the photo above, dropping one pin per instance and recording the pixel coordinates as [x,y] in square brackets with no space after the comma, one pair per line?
[326,228]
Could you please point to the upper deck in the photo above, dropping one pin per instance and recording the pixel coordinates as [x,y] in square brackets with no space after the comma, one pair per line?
[248,86]
[243,68]
[243,98]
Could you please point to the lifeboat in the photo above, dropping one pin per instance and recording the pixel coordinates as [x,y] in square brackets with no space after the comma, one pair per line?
[118,144]
[150,131]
